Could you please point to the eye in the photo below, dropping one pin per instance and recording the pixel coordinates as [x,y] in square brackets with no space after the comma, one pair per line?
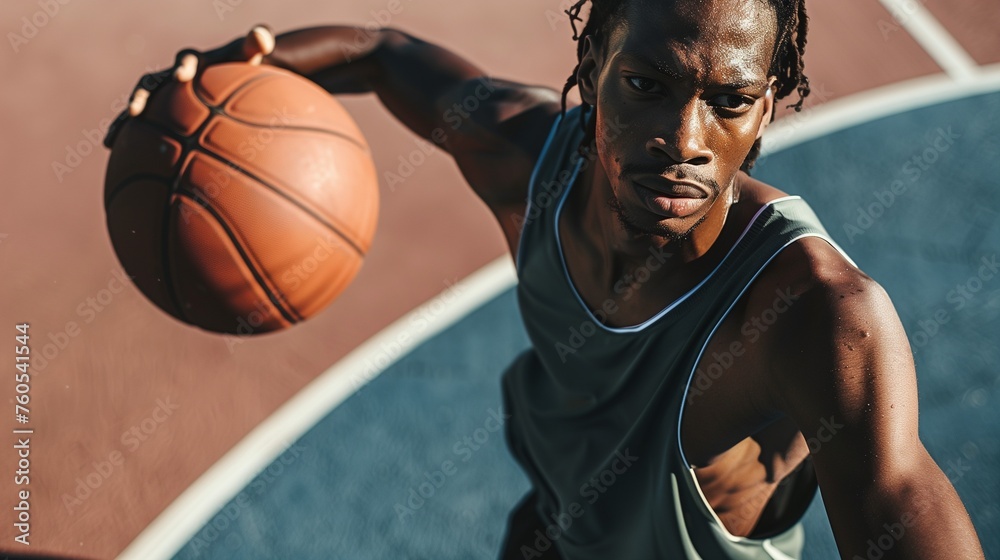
[731,102]
[640,83]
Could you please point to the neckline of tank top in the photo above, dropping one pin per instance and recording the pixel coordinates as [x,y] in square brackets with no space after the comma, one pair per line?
[671,306]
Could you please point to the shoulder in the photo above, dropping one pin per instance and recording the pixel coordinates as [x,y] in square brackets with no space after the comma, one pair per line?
[840,345]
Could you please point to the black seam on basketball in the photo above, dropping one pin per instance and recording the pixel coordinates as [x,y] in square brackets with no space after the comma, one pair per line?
[204,149]
[244,249]
[131,180]
[289,314]
[167,131]
[221,108]
[197,83]
[354,245]
[333,133]
[168,279]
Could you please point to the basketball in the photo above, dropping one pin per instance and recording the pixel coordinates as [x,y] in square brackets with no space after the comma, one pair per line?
[243,201]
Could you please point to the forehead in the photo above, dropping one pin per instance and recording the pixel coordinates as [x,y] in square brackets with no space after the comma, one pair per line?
[722,38]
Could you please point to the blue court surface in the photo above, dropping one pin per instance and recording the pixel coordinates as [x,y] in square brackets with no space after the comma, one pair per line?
[912,197]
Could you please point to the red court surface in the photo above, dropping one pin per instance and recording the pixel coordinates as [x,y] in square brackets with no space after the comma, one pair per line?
[126,394]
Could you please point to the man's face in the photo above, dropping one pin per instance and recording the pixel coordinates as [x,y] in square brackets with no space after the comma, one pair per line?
[682,92]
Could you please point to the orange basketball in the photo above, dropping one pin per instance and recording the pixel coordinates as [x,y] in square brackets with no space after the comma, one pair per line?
[243,201]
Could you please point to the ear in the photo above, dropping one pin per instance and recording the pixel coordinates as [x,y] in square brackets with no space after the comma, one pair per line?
[765,119]
[589,71]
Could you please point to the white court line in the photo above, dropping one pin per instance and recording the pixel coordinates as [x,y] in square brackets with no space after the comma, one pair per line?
[197,505]
[839,114]
[933,37]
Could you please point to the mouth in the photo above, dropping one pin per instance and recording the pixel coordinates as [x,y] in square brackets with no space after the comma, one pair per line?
[668,198]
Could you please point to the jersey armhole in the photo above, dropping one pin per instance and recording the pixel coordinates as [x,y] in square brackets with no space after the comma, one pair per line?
[531,187]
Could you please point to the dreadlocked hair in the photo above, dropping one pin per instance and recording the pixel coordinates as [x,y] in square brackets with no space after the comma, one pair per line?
[786,63]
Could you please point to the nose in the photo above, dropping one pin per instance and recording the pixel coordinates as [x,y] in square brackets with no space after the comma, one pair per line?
[683,138]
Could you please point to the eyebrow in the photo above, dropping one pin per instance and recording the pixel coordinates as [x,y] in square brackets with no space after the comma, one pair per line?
[663,67]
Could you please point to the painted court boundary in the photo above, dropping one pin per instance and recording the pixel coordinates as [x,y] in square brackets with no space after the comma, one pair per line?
[196,506]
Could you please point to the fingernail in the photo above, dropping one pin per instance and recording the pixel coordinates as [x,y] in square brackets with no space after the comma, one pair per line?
[138,102]
[188,68]
[264,38]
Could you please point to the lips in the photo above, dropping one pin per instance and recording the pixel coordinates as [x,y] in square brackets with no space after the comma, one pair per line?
[673,189]
[670,199]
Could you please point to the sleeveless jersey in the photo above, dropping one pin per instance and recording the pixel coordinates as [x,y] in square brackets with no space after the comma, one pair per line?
[595,411]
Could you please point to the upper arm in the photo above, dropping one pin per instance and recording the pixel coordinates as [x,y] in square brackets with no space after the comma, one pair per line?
[495,130]
[846,376]
[845,361]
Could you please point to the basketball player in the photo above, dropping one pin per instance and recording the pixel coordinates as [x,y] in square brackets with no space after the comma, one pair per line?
[704,355]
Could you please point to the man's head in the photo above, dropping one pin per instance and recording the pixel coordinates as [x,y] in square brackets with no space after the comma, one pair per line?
[683,90]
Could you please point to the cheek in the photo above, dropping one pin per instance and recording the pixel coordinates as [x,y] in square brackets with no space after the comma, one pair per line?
[736,137]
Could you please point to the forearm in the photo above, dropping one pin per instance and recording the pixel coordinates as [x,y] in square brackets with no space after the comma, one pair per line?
[409,75]
[920,516]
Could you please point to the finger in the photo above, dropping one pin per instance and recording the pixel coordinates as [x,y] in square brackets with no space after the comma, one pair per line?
[138,102]
[187,68]
[258,44]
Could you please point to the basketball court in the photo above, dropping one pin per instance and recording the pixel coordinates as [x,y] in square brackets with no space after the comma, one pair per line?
[374,430]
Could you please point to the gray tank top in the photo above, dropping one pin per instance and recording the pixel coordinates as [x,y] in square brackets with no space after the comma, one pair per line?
[595,410]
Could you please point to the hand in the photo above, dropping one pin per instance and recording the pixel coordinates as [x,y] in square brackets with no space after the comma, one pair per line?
[257,44]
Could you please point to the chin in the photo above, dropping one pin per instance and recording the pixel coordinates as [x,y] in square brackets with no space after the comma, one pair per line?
[638,221]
